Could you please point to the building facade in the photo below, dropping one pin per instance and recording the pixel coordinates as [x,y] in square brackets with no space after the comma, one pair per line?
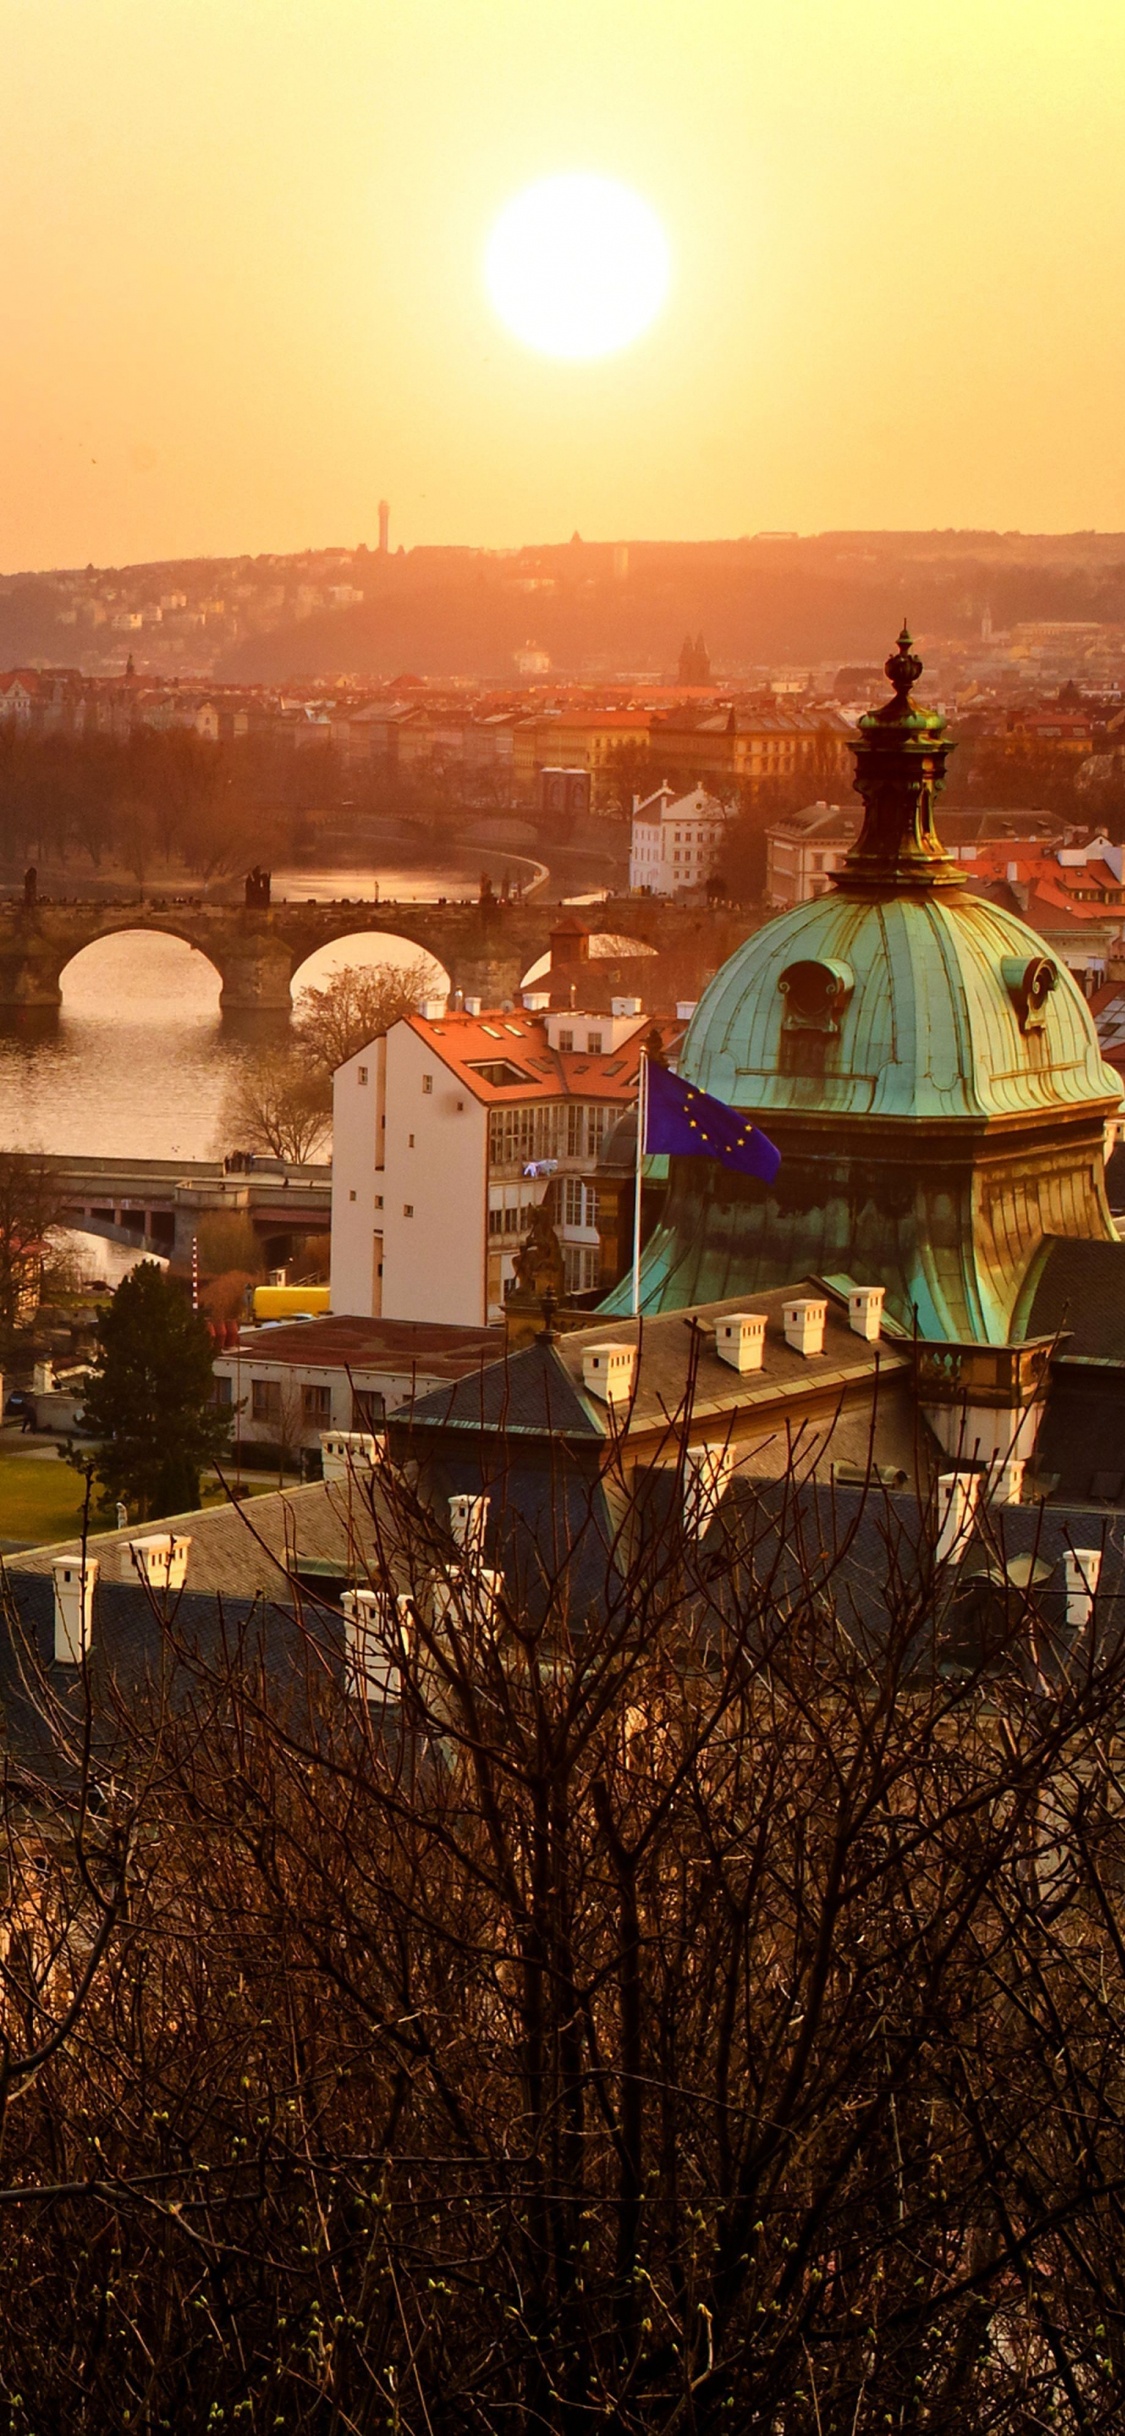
[677,841]
[450,1132]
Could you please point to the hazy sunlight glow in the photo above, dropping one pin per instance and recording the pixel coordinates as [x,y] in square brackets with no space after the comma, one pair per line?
[577,265]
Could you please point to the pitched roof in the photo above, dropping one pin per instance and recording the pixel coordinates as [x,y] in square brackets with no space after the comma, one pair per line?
[465,1043]
[539,1391]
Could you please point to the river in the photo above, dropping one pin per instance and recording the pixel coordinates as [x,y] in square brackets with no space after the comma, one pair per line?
[140,1059]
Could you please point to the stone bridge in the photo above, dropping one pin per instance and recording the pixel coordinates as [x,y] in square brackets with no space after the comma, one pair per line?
[486,949]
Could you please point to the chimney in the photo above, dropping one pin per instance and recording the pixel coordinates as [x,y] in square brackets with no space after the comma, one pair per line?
[740,1339]
[804,1325]
[685,1009]
[1007,1487]
[473,1006]
[161,1560]
[537,1001]
[621,1006]
[865,1312]
[432,1009]
[1082,1567]
[468,1519]
[372,1631]
[74,1607]
[957,1494]
[607,1372]
[348,1454]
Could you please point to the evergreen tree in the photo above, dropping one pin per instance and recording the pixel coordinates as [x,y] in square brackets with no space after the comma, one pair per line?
[151,1399]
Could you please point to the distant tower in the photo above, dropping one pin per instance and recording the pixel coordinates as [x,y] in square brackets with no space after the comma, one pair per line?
[695,666]
[384,527]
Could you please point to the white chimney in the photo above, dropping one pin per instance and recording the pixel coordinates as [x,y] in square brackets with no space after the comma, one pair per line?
[468,1517]
[432,1009]
[803,1322]
[707,1470]
[1082,1567]
[740,1339]
[43,1379]
[347,1454]
[1007,1487]
[537,1001]
[373,1635]
[160,1559]
[74,1607]
[469,1598]
[608,1371]
[685,1009]
[473,1006]
[957,1494]
[865,1312]
[621,1006]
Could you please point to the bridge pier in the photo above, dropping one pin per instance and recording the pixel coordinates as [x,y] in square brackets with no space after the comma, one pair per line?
[29,977]
[256,974]
[492,978]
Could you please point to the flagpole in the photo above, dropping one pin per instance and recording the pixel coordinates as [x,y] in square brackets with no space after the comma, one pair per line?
[642,1128]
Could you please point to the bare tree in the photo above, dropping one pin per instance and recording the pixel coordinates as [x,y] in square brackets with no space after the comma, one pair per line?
[356,1005]
[275,1103]
[31,1215]
[669,1978]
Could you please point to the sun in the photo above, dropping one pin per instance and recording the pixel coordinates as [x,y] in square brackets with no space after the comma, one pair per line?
[577,265]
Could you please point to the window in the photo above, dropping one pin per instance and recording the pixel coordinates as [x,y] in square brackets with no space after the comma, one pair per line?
[378,1201]
[496,1221]
[408,1209]
[369,1408]
[351,1196]
[410,1141]
[265,1401]
[581,1268]
[316,1406]
[594,1044]
[566,1040]
[362,1075]
[224,1393]
[427,1082]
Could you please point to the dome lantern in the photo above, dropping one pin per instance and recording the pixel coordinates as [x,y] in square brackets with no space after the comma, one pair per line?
[900,767]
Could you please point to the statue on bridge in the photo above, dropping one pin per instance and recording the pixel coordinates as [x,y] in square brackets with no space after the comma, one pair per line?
[258,886]
[31,885]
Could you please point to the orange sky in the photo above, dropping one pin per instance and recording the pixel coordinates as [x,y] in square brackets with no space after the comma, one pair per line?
[242,291]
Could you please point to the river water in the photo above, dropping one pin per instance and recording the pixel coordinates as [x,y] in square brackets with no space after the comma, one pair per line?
[140,1059]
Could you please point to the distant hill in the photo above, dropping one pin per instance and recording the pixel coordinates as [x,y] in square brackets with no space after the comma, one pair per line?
[834,596]
[596,609]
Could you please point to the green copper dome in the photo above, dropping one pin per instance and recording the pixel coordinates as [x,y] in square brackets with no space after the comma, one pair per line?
[936,1005]
[930,1074]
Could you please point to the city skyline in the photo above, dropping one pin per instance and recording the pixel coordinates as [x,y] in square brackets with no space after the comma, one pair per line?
[246,296]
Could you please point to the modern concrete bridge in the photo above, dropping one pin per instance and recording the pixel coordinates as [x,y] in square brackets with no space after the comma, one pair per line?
[486,949]
[157,1204]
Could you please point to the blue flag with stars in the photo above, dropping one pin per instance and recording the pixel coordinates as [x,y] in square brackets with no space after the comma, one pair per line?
[690,1124]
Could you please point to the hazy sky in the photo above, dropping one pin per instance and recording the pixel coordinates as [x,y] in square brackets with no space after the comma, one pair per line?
[242,292]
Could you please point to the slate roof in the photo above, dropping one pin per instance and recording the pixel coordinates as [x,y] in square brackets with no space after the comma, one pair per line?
[238,1550]
[539,1391]
[1076,1289]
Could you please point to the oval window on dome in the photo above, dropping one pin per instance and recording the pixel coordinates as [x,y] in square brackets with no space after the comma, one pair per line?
[815,994]
[1030,981]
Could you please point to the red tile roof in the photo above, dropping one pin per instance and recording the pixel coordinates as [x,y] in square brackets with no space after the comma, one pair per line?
[464,1042]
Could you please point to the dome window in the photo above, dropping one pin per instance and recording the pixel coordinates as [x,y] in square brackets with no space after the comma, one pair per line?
[815,995]
[1030,981]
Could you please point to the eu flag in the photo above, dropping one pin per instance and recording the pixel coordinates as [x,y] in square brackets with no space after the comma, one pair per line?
[690,1124]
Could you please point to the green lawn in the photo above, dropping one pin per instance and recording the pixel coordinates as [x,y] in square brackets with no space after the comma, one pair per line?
[41,1499]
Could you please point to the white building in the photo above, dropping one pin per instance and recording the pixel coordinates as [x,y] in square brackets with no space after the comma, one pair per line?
[448,1132]
[677,840]
[286,1383]
[804,849]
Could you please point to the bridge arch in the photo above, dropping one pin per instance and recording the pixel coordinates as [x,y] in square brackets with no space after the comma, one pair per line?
[148,931]
[366,946]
